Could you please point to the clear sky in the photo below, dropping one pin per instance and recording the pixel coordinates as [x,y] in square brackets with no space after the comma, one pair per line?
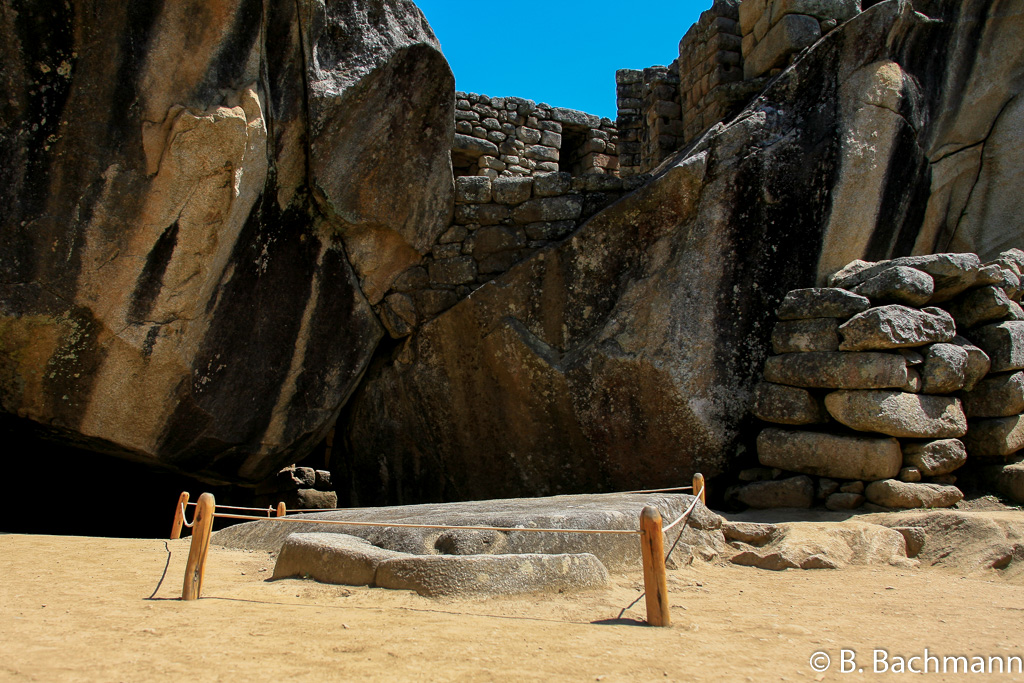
[562,53]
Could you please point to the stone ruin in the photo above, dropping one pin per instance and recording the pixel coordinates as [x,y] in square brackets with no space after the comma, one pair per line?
[889,382]
[212,266]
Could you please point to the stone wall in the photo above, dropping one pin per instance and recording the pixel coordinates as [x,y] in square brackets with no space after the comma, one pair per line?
[774,30]
[888,382]
[515,137]
[496,224]
[725,59]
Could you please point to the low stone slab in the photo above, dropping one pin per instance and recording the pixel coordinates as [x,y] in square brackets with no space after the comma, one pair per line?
[787,405]
[799,336]
[898,285]
[996,396]
[584,511]
[1003,343]
[897,413]
[934,458]
[794,492]
[998,436]
[844,501]
[894,326]
[982,305]
[837,370]
[829,455]
[821,302]
[978,362]
[900,494]
[952,273]
[944,369]
[439,575]
[331,558]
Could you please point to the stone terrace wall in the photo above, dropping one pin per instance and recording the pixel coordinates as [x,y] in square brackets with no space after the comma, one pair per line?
[512,136]
[497,223]
[774,30]
[725,59]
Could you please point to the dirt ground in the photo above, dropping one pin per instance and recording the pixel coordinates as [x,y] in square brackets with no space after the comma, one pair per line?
[100,609]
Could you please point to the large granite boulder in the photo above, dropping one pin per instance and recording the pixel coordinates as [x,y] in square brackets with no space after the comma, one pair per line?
[625,356]
[184,184]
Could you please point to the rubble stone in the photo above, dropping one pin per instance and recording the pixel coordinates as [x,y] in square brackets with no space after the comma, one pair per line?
[829,455]
[893,326]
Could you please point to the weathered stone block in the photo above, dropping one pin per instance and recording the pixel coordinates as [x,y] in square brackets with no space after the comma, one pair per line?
[564,208]
[978,362]
[495,238]
[472,189]
[844,501]
[839,10]
[829,455]
[952,273]
[512,190]
[1003,343]
[982,305]
[898,494]
[453,271]
[837,370]
[1000,395]
[944,369]
[795,492]
[474,146]
[934,458]
[889,327]
[411,280]
[787,405]
[999,436]
[481,214]
[812,334]
[791,34]
[821,302]
[430,302]
[542,153]
[898,285]
[898,413]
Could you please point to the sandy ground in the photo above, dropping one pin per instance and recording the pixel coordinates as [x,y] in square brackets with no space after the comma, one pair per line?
[98,609]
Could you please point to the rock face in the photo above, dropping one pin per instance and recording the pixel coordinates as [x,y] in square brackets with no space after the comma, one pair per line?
[184,187]
[625,355]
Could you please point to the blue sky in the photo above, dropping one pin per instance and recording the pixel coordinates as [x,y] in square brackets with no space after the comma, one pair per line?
[562,53]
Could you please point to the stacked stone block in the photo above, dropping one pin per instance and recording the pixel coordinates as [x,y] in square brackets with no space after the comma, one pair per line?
[711,69]
[497,223]
[512,136]
[774,30]
[886,382]
[629,99]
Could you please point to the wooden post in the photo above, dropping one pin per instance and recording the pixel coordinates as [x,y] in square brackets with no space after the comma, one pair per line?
[196,567]
[698,485]
[652,546]
[281,509]
[179,516]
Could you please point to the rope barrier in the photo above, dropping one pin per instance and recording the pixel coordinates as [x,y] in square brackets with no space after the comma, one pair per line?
[686,514]
[267,509]
[184,520]
[651,532]
[400,525]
